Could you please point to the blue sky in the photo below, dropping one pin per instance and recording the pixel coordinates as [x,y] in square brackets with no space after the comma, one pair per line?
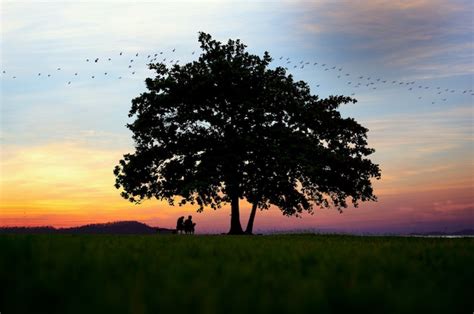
[423,144]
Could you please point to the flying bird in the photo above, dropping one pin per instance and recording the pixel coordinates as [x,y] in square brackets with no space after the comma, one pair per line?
[120,53]
[105,73]
[75,73]
[129,66]
[174,49]
[59,69]
[68,83]
[97,59]
[136,55]
[93,76]
[87,60]
[133,72]
[110,59]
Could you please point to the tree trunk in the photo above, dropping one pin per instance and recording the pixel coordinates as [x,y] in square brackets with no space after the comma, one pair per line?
[249,229]
[235,227]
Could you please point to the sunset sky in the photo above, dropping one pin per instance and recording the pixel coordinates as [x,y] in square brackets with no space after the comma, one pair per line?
[61,141]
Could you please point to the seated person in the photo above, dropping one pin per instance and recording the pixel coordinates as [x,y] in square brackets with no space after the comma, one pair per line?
[180,225]
[189,225]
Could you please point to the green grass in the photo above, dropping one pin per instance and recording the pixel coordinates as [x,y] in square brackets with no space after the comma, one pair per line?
[223,274]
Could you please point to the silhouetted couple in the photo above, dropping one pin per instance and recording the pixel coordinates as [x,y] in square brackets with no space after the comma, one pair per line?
[186,226]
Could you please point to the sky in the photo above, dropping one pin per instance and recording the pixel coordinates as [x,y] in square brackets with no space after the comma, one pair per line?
[410,65]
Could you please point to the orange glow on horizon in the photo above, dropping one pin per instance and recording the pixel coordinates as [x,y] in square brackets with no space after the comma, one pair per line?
[66,184]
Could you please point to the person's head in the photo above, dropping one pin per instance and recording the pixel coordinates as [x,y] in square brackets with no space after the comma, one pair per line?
[190,217]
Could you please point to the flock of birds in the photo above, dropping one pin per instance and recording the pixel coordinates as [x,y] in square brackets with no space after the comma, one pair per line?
[354,81]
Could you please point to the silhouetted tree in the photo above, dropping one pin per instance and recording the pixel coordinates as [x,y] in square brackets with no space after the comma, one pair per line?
[227,127]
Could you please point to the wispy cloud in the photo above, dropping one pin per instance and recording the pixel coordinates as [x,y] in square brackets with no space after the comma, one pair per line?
[416,35]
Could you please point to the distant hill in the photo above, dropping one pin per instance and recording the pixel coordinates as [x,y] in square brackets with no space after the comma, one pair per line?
[119,227]
[464,232]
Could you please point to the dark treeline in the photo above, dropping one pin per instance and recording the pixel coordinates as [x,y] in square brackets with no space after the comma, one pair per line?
[120,227]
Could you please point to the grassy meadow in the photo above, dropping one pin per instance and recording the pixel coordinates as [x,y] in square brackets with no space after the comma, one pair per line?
[232,274]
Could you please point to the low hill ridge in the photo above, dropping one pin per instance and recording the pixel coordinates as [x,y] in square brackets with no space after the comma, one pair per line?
[117,227]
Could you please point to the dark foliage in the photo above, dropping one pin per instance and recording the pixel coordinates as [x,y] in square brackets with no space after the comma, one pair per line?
[227,127]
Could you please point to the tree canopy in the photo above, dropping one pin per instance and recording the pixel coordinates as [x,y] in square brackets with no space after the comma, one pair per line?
[228,127]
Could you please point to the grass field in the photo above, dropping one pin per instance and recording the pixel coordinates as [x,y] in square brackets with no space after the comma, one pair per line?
[224,274]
